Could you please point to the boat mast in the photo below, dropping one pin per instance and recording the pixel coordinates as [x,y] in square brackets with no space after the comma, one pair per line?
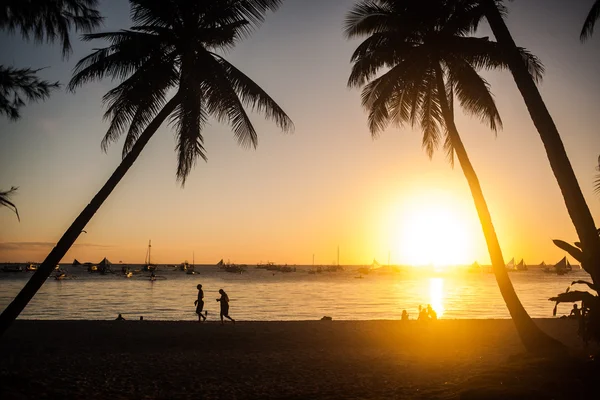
[149,250]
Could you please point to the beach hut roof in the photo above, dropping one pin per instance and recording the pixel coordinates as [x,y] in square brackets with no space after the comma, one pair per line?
[75,262]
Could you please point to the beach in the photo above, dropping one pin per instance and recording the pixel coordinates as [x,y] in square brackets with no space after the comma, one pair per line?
[291,360]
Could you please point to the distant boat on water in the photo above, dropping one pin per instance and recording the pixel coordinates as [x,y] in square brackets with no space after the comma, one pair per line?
[521,266]
[12,268]
[232,268]
[148,266]
[31,267]
[560,268]
[511,264]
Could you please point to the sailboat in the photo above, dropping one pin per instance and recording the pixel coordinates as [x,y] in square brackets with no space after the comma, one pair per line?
[511,264]
[521,266]
[148,266]
[560,268]
[190,268]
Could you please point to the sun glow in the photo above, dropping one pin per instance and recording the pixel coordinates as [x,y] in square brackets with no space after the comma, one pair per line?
[434,231]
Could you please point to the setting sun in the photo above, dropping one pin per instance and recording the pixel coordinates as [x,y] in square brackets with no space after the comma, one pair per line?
[434,232]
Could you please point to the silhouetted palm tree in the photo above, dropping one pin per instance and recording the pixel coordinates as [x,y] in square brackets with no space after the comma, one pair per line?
[42,21]
[4,200]
[559,162]
[428,59]
[173,50]
[590,21]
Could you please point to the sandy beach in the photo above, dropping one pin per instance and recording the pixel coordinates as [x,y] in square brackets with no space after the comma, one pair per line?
[291,360]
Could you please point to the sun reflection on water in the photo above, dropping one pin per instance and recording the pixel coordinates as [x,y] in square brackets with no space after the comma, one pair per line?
[436,294]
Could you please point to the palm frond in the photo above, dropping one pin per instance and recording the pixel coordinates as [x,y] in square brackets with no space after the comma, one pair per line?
[189,118]
[254,97]
[128,52]
[431,114]
[4,200]
[473,92]
[19,86]
[590,21]
[483,53]
[50,20]
[369,17]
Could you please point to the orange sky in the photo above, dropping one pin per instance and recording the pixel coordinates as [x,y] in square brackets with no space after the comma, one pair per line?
[327,185]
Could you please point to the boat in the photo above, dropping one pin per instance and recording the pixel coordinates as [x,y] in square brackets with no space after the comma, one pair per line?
[560,268]
[474,268]
[104,266]
[191,269]
[31,267]
[511,264]
[521,266]
[12,268]
[148,266]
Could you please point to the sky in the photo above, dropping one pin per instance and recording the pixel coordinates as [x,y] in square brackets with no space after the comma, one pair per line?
[329,184]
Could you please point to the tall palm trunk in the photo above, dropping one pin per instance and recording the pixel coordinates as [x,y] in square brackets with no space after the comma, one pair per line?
[66,241]
[559,162]
[531,335]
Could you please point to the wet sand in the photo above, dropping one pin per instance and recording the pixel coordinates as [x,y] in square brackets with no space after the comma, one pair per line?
[287,360]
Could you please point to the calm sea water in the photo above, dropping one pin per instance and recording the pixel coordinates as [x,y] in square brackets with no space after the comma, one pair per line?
[262,295]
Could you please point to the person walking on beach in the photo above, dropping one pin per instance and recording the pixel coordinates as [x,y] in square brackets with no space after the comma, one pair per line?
[224,300]
[199,303]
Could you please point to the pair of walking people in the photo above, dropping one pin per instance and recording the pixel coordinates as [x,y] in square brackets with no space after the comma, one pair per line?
[223,300]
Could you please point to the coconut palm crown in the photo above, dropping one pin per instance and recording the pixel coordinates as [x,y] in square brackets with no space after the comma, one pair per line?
[410,40]
[427,59]
[171,60]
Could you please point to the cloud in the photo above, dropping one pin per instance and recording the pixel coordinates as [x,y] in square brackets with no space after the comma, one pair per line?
[31,246]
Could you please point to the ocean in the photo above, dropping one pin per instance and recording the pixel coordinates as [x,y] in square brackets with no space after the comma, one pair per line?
[262,295]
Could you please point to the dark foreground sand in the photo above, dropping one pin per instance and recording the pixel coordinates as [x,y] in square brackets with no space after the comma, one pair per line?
[468,359]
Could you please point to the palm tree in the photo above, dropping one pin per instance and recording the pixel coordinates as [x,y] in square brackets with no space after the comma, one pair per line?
[428,59]
[171,51]
[590,21]
[44,20]
[559,162]
[5,200]
[40,20]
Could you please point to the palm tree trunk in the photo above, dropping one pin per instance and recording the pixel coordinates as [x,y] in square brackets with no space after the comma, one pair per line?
[559,162]
[66,241]
[532,337]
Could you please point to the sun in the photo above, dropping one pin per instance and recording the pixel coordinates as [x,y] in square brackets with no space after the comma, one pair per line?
[434,232]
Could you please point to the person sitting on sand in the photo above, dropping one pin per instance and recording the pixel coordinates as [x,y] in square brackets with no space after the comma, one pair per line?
[431,314]
[120,318]
[224,300]
[422,314]
[575,312]
[404,315]
[199,303]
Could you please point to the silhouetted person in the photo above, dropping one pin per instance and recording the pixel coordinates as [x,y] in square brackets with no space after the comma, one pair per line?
[199,303]
[422,314]
[120,318]
[431,314]
[141,317]
[575,312]
[404,315]
[224,300]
